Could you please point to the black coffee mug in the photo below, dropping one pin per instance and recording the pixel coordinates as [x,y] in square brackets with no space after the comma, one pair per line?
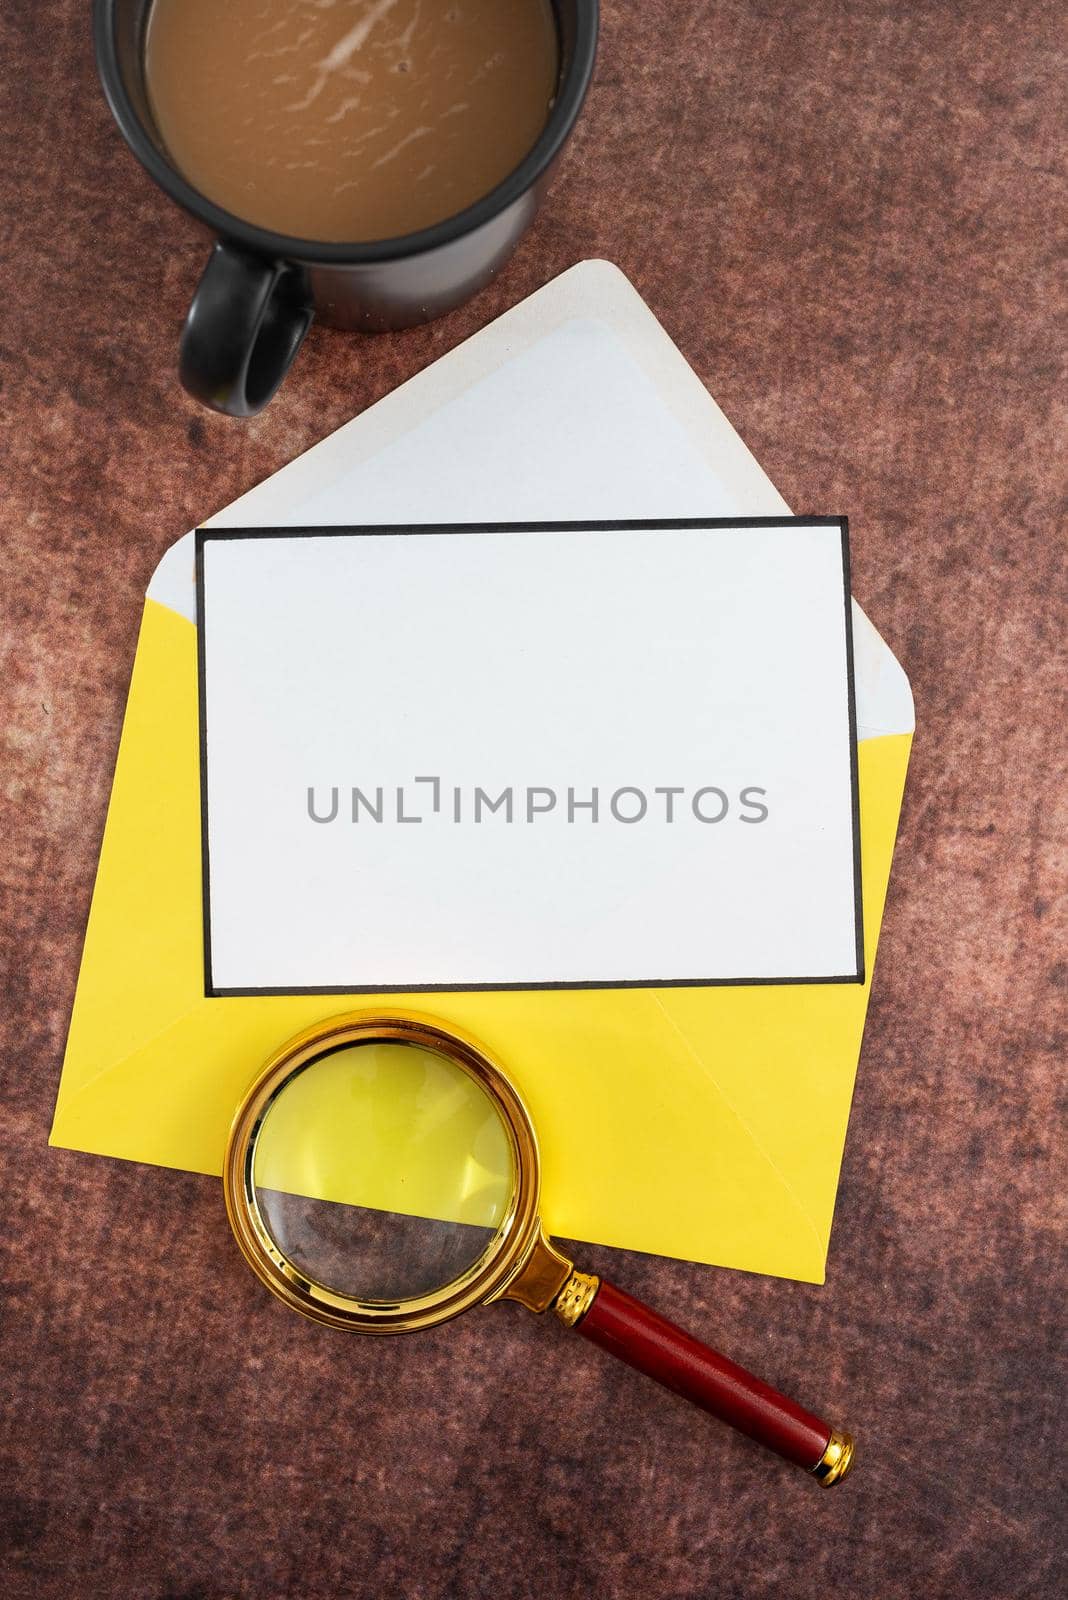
[260,290]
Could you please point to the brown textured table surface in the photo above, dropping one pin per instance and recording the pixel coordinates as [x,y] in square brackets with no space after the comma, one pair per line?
[846,216]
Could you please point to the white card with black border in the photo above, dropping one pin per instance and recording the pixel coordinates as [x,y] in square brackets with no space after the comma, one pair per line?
[528,755]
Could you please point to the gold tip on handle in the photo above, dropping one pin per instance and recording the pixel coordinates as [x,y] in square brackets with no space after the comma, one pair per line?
[836,1460]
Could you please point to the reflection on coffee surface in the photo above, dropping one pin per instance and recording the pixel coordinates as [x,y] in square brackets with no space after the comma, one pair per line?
[349,120]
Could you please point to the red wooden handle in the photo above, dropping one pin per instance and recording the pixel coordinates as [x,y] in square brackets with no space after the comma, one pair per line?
[680,1362]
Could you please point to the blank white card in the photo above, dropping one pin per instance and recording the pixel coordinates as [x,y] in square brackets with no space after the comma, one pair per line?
[528,756]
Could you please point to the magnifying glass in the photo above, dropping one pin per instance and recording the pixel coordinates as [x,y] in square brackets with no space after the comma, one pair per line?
[382,1175]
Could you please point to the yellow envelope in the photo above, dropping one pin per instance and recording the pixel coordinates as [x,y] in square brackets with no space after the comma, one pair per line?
[701,1123]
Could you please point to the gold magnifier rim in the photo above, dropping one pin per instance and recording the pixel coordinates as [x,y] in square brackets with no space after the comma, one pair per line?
[485,1277]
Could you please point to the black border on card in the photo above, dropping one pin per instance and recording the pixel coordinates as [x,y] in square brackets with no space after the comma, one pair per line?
[612,526]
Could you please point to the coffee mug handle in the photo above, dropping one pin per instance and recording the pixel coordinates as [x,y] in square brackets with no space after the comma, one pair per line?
[247,321]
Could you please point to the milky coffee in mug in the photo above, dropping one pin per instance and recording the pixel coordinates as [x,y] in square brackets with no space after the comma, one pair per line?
[367,163]
[349,120]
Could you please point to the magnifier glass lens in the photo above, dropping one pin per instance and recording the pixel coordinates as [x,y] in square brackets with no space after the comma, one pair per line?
[382,1171]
